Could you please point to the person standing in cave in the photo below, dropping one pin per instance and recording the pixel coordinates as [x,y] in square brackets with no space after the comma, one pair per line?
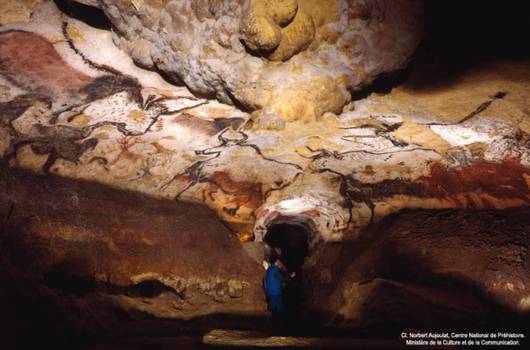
[275,281]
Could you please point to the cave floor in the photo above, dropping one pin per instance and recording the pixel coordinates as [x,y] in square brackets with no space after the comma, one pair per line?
[230,339]
[236,332]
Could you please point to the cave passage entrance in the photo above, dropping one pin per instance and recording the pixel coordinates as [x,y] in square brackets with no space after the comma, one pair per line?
[292,240]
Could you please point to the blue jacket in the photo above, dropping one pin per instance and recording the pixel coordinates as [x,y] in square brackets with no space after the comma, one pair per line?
[275,280]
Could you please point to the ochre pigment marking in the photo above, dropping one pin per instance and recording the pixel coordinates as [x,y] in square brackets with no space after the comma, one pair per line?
[32,62]
[500,180]
[242,193]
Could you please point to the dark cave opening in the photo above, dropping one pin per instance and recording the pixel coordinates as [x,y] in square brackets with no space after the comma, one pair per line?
[292,241]
[478,29]
[479,32]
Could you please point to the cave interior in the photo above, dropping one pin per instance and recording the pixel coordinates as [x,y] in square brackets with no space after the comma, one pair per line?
[137,201]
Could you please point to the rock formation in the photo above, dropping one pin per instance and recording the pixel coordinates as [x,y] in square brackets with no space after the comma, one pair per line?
[81,260]
[91,232]
[107,165]
[79,115]
[16,11]
[419,267]
[287,59]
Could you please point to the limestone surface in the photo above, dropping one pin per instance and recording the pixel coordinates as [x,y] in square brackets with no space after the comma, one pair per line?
[295,59]
[424,261]
[16,11]
[143,254]
[87,112]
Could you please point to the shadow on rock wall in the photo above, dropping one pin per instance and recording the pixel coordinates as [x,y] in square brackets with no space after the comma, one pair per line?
[82,261]
[469,36]
[427,269]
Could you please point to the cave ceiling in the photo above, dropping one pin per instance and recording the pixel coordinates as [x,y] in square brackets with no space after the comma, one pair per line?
[75,105]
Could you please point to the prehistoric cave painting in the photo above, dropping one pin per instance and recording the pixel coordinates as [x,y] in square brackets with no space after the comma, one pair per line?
[31,63]
[242,192]
[481,108]
[64,141]
[57,142]
[481,185]
[462,186]
[110,122]
[354,191]
[10,111]
[497,180]
[380,129]
[211,128]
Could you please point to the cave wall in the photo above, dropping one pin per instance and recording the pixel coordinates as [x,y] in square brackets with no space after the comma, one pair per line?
[420,269]
[82,243]
[428,143]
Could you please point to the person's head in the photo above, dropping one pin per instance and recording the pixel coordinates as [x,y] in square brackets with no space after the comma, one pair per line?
[271,255]
[280,264]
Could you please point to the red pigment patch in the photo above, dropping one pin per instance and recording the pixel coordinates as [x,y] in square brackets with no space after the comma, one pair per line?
[313,213]
[243,193]
[32,61]
[500,180]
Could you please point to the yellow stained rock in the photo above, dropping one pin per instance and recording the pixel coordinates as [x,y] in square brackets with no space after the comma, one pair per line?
[158,4]
[137,115]
[261,25]
[138,4]
[81,119]
[12,11]
[281,11]
[102,136]
[308,101]
[258,29]
[296,37]
[411,132]
[455,97]
[75,33]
